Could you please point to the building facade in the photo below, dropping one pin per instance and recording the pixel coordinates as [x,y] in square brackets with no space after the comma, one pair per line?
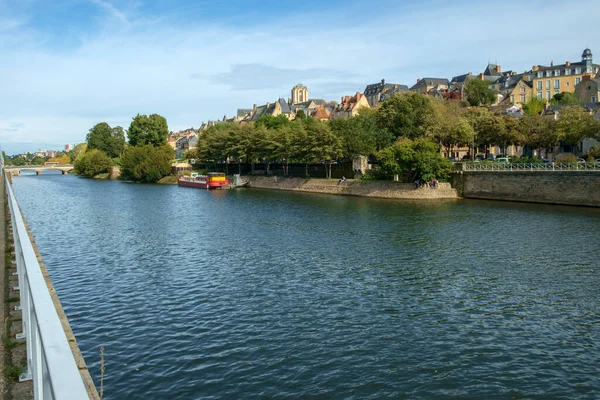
[554,79]
[299,94]
[349,106]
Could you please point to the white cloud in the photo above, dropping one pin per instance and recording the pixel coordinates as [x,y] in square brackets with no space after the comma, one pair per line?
[192,72]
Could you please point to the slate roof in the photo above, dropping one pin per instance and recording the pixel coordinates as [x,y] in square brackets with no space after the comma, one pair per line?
[431,82]
[564,67]
[382,87]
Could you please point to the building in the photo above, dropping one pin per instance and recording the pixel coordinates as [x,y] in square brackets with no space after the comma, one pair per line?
[320,113]
[514,89]
[378,92]
[299,94]
[554,79]
[68,147]
[588,90]
[349,106]
[430,85]
[273,109]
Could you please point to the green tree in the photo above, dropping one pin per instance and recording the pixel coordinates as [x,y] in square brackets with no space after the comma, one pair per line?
[575,124]
[478,93]
[271,122]
[300,114]
[415,159]
[92,163]
[146,163]
[405,115]
[145,130]
[565,98]
[538,132]
[110,140]
[450,128]
[76,151]
[534,106]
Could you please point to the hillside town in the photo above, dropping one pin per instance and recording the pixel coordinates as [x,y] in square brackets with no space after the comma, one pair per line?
[512,90]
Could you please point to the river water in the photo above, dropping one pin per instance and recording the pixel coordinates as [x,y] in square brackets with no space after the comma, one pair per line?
[263,294]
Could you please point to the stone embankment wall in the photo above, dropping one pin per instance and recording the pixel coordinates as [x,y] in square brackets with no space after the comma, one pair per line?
[576,188]
[390,190]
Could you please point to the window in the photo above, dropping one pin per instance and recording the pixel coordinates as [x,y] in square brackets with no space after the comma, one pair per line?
[523,98]
[548,96]
[548,73]
[556,91]
[512,99]
[568,84]
[568,71]
[540,85]
[588,70]
[522,89]
[548,84]
[557,84]
[557,72]
[593,99]
[539,95]
[577,80]
[577,71]
[540,74]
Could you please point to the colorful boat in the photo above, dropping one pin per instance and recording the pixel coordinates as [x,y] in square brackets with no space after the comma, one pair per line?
[213,180]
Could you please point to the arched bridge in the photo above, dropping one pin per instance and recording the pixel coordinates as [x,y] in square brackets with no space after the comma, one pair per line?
[38,169]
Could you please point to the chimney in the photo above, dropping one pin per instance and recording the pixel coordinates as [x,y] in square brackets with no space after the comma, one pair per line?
[254,108]
[395,86]
[498,68]
[470,74]
[383,81]
[552,63]
[535,68]
[568,64]
[418,80]
[586,77]
[357,96]
[268,104]
[481,76]
[343,97]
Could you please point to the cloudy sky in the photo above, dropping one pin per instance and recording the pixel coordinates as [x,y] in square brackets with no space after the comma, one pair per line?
[66,65]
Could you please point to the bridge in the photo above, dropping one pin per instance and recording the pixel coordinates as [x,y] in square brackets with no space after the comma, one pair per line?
[38,169]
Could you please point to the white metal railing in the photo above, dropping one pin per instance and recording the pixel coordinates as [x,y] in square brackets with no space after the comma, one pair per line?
[50,361]
[503,167]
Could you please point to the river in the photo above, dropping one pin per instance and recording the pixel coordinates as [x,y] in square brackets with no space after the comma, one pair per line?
[263,294]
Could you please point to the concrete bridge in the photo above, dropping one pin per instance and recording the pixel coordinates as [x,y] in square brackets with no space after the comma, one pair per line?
[38,169]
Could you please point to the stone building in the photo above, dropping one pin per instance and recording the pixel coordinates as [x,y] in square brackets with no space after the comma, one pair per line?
[554,79]
[378,92]
[430,85]
[349,106]
[299,94]
[588,90]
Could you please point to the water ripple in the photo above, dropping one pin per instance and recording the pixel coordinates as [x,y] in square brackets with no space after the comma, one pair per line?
[253,294]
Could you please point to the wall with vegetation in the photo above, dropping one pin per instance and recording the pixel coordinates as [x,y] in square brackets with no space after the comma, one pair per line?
[577,188]
[382,189]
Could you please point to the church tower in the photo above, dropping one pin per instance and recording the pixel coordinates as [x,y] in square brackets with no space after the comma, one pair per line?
[299,94]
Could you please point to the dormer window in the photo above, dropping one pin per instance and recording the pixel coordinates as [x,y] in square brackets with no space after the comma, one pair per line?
[540,74]
[577,71]
[548,73]
[568,71]
[557,72]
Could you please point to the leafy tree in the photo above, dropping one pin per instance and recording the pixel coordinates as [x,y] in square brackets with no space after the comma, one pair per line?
[76,151]
[449,127]
[405,115]
[145,130]
[415,159]
[92,163]
[37,160]
[63,159]
[109,140]
[300,114]
[538,132]
[575,124]
[565,98]
[146,163]
[534,106]
[478,93]
[271,122]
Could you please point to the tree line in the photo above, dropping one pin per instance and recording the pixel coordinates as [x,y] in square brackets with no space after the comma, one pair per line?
[406,133]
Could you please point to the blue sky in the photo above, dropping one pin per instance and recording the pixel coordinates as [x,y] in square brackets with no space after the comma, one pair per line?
[66,65]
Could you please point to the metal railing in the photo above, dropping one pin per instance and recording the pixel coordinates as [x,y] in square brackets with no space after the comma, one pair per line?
[50,361]
[511,167]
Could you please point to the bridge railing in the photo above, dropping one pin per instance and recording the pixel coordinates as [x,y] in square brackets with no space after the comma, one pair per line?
[50,361]
[510,167]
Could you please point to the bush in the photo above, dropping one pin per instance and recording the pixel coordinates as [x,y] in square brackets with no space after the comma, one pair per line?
[566,158]
[526,160]
[92,163]
[146,163]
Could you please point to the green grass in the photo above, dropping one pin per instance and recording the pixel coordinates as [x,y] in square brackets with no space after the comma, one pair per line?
[12,373]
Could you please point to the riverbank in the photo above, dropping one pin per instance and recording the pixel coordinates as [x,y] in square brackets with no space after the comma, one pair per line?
[380,189]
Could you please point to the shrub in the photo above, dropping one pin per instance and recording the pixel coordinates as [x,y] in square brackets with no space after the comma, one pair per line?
[92,163]
[146,163]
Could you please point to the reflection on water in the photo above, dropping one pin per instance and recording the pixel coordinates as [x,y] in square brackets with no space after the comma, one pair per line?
[258,294]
